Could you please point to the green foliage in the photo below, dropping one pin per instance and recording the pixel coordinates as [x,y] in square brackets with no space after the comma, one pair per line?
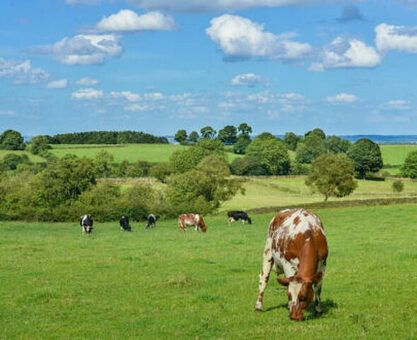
[138,169]
[193,137]
[336,144]
[11,140]
[310,148]
[316,132]
[228,135]
[103,164]
[409,168]
[247,166]
[332,175]
[242,143]
[244,129]
[299,168]
[122,168]
[271,154]
[181,136]
[207,132]
[366,156]
[398,185]
[161,171]
[11,160]
[39,145]
[291,140]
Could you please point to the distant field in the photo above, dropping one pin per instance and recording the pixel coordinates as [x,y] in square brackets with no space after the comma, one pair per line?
[395,155]
[164,284]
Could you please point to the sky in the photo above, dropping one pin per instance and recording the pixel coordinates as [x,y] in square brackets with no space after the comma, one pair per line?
[348,67]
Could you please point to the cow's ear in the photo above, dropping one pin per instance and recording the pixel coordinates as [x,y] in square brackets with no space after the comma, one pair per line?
[317,277]
[284,281]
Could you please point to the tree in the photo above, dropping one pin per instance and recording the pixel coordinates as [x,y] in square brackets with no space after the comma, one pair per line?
[291,140]
[11,140]
[308,150]
[103,162]
[336,144]
[398,185]
[247,166]
[316,132]
[409,168]
[332,175]
[181,136]
[228,135]
[161,171]
[11,160]
[208,132]
[366,156]
[271,153]
[244,129]
[242,143]
[39,145]
[193,137]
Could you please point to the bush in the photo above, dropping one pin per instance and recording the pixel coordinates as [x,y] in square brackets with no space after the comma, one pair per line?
[398,185]
[161,171]
[409,168]
[11,160]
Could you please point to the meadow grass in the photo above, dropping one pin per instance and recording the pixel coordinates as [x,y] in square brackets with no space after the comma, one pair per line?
[395,154]
[165,284]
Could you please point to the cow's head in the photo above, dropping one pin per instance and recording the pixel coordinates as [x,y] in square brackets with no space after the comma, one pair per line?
[203,228]
[300,294]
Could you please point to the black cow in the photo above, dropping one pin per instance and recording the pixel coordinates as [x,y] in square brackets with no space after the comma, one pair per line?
[86,223]
[124,224]
[238,215]
[151,221]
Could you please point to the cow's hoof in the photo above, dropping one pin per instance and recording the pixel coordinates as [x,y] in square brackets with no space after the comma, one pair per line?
[258,309]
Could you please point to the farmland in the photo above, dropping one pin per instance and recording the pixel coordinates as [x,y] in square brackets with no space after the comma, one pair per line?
[57,283]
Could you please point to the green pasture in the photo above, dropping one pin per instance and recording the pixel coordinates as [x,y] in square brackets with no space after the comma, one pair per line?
[164,284]
[394,155]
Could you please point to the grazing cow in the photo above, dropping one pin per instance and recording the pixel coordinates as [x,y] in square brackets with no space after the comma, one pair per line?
[124,224]
[191,220]
[296,246]
[86,223]
[151,221]
[238,215]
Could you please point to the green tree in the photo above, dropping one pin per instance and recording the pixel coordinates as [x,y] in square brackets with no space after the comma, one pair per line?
[242,143]
[123,168]
[244,129]
[409,168]
[316,132]
[103,163]
[39,145]
[247,166]
[161,171]
[366,156]
[336,144]
[332,175]
[11,160]
[193,137]
[291,140]
[181,136]
[228,135]
[208,132]
[11,140]
[308,150]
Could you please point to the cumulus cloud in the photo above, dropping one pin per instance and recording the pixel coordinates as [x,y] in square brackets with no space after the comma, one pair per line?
[216,5]
[87,81]
[346,53]
[247,79]
[82,49]
[87,94]
[22,72]
[400,38]
[241,38]
[57,84]
[129,21]
[398,104]
[129,96]
[342,98]
[350,13]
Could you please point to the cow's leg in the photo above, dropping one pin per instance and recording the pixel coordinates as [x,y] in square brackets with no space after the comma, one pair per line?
[268,261]
[317,292]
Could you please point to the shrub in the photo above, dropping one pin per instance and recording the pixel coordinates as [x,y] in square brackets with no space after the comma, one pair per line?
[398,185]
[11,160]
[161,171]
[409,168]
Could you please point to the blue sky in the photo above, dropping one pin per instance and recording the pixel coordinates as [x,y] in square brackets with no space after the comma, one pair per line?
[161,65]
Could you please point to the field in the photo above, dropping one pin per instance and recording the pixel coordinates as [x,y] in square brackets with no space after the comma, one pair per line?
[394,155]
[163,284]
[32,158]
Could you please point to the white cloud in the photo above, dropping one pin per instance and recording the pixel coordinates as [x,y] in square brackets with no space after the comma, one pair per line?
[247,79]
[346,53]
[342,98]
[129,21]
[241,38]
[87,81]
[400,105]
[83,49]
[57,84]
[400,38]
[154,96]
[87,93]
[22,72]
[129,96]
[82,2]
[7,113]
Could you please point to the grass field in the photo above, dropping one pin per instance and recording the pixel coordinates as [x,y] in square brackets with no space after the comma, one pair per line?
[394,155]
[163,284]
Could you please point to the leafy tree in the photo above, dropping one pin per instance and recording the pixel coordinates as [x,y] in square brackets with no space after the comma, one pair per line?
[11,140]
[228,135]
[161,171]
[308,150]
[336,144]
[193,137]
[409,168]
[271,153]
[332,175]
[208,132]
[181,136]
[398,185]
[11,160]
[291,140]
[123,168]
[247,166]
[244,129]
[265,135]
[103,163]
[366,156]
[242,143]
[39,145]
[138,169]
[316,132]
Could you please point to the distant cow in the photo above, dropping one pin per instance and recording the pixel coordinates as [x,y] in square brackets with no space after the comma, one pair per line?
[151,221]
[238,215]
[296,246]
[124,224]
[86,223]
[191,220]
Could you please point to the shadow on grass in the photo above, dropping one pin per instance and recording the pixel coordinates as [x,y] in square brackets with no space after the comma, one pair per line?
[326,306]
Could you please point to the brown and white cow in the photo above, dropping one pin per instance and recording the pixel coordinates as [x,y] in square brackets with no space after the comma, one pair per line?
[191,220]
[296,246]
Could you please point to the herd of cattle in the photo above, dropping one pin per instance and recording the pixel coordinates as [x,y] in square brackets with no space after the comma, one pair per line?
[296,246]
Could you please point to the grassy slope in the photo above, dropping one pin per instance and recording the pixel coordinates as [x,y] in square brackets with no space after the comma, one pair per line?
[57,283]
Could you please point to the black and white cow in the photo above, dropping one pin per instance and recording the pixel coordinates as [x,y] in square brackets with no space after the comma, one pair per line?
[124,224]
[151,221]
[238,215]
[86,223]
